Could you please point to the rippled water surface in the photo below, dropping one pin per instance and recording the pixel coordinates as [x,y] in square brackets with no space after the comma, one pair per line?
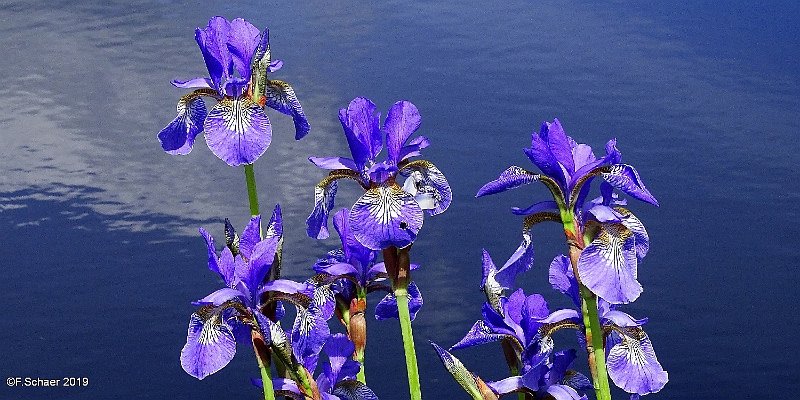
[100,253]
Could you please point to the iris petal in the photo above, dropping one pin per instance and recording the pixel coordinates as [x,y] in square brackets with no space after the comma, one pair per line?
[401,122]
[632,363]
[333,163]
[479,334]
[511,178]
[237,131]
[387,308]
[413,147]
[219,296]
[559,144]
[608,265]
[317,222]
[353,390]
[309,333]
[639,232]
[214,263]
[425,181]
[563,279]
[243,39]
[340,367]
[385,216]
[625,178]
[192,83]
[213,44]
[564,392]
[210,346]
[250,236]
[281,97]
[178,137]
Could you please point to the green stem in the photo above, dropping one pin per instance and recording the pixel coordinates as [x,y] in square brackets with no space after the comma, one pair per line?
[591,320]
[252,195]
[594,344]
[401,293]
[266,375]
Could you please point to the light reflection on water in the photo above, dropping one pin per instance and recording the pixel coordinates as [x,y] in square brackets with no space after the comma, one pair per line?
[99,225]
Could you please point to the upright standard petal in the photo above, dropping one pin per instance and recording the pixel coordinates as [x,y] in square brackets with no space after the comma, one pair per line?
[607,266]
[625,178]
[280,96]
[250,236]
[386,216]
[387,308]
[213,42]
[541,155]
[243,39]
[559,144]
[178,137]
[210,345]
[225,270]
[632,363]
[511,178]
[363,120]
[237,131]
[401,122]
[253,271]
[428,186]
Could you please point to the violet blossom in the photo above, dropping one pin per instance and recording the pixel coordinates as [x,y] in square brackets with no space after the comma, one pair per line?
[238,58]
[387,214]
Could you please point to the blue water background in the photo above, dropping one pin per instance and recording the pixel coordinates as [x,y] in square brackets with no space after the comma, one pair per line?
[100,255]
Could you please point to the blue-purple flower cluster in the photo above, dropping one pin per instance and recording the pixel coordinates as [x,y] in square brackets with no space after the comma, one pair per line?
[599,273]
[606,244]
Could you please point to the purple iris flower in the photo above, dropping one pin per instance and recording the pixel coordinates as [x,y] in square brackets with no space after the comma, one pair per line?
[568,165]
[245,266]
[608,264]
[337,381]
[388,214]
[630,358]
[211,343]
[238,59]
[516,321]
[552,379]
[353,268]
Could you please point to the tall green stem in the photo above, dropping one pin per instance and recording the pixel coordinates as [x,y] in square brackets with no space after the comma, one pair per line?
[252,195]
[264,367]
[594,344]
[591,320]
[401,293]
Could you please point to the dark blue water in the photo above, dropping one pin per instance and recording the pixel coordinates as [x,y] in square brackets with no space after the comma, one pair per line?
[100,255]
